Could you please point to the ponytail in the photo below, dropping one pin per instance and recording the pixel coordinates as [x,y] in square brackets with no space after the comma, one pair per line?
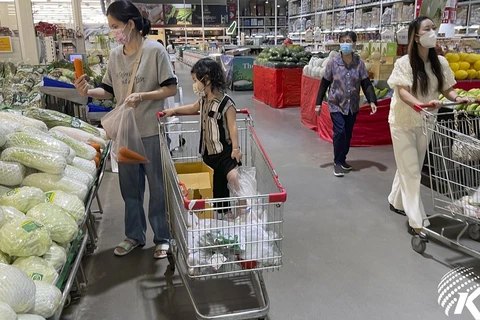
[146,27]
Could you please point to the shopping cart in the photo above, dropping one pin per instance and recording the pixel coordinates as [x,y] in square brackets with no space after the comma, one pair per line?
[454,167]
[248,238]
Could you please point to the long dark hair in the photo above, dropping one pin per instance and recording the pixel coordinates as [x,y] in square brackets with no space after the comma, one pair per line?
[207,67]
[420,78]
[124,10]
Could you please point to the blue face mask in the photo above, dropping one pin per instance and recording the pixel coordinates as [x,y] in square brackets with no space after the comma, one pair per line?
[346,48]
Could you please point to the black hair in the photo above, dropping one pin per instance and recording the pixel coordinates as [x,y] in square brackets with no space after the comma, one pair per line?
[209,68]
[124,10]
[420,78]
[171,42]
[160,41]
[352,35]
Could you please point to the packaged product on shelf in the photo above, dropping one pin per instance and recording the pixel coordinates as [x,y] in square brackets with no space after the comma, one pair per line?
[475,15]
[85,165]
[4,258]
[16,289]
[56,256]
[47,299]
[11,173]
[6,312]
[43,161]
[72,204]
[37,142]
[47,182]
[10,214]
[23,199]
[29,317]
[462,16]
[37,268]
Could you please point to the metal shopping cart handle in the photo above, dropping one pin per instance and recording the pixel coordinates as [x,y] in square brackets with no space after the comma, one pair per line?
[161,114]
[449,105]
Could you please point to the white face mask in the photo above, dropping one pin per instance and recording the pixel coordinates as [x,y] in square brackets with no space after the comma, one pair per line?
[200,93]
[428,40]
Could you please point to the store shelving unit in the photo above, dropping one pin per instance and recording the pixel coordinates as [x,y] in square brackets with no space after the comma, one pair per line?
[468,18]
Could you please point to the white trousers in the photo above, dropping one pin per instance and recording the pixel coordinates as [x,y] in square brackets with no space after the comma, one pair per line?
[409,146]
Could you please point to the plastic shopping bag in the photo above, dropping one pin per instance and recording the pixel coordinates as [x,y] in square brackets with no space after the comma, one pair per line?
[246,183]
[121,127]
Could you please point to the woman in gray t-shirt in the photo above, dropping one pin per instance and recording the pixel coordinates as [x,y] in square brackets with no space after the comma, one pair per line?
[154,82]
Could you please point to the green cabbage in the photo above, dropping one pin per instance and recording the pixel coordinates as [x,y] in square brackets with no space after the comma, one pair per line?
[37,142]
[48,182]
[41,160]
[4,258]
[72,204]
[56,256]
[60,223]
[24,237]
[47,299]
[10,213]
[23,199]
[16,289]
[37,269]
[6,312]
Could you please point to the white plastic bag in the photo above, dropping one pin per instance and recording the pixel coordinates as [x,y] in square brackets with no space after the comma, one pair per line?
[246,184]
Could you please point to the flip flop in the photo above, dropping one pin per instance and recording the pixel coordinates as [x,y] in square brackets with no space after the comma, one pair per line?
[159,248]
[126,245]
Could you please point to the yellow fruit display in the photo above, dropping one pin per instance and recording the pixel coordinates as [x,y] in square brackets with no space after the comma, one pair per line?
[472,58]
[476,66]
[478,76]
[454,66]
[461,75]
[463,56]
[452,57]
[464,65]
[472,74]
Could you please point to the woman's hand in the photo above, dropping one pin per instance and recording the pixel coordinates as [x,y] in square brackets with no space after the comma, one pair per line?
[467,100]
[318,110]
[81,85]
[237,154]
[374,108]
[168,113]
[437,103]
[134,100]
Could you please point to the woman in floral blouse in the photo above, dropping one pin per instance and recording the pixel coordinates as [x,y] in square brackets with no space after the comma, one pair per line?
[345,74]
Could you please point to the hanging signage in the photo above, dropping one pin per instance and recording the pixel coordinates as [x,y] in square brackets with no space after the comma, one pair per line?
[152,12]
[450,13]
[212,15]
[232,11]
[178,14]
[6,44]
[434,10]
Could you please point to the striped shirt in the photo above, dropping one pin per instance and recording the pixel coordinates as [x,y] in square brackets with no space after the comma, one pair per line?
[214,127]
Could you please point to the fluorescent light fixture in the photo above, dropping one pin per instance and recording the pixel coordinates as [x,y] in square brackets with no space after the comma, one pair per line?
[475,26]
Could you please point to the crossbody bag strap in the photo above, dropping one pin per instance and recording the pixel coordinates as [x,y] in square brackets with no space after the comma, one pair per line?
[135,68]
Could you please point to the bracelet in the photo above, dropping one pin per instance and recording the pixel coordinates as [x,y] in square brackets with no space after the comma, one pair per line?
[236,149]
[141,98]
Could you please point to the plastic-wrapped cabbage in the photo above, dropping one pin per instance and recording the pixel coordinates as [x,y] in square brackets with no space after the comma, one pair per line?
[60,223]
[30,317]
[82,149]
[71,155]
[10,213]
[24,237]
[11,173]
[48,182]
[11,126]
[4,190]
[41,160]
[72,204]
[23,199]
[56,256]
[77,175]
[25,121]
[47,299]
[4,258]
[2,217]
[16,289]
[3,137]
[37,269]
[6,312]
[42,142]
[85,165]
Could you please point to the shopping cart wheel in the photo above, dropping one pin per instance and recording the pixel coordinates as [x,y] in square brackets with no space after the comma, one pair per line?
[474,231]
[419,245]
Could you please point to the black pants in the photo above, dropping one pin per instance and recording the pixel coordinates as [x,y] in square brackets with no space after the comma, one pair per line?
[221,164]
[342,135]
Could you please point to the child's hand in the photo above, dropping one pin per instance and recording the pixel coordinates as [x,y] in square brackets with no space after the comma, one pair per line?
[237,154]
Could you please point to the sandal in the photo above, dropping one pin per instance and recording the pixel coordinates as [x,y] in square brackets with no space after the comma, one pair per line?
[161,251]
[127,245]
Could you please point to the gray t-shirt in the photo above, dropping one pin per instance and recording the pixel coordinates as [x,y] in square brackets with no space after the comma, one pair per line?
[154,71]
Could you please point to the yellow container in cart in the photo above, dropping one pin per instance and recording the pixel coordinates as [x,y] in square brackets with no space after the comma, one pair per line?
[230,247]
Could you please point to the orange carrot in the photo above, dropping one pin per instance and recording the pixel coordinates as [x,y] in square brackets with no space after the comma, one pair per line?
[127,153]
[124,160]
[97,161]
[78,67]
[95,145]
[99,155]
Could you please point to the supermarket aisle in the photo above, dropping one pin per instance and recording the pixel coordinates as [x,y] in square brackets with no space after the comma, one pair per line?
[346,255]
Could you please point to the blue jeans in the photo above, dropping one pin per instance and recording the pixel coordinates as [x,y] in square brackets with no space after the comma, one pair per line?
[342,135]
[132,186]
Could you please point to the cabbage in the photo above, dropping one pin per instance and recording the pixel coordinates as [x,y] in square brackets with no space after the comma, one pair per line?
[23,199]
[16,289]
[4,190]
[6,312]
[82,149]
[30,317]
[37,269]
[48,182]
[41,160]
[71,155]
[56,256]
[47,299]
[23,237]
[86,165]
[11,173]
[60,223]
[27,122]
[77,175]
[10,213]
[37,142]
[4,258]
[72,204]
[2,217]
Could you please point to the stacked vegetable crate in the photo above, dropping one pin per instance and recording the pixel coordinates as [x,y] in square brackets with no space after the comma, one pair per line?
[51,166]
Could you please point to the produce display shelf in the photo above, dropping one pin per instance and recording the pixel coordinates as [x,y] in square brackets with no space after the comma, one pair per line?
[62,90]
[79,246]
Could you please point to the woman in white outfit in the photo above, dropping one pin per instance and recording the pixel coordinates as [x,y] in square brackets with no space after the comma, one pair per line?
[417,78]
[171,52]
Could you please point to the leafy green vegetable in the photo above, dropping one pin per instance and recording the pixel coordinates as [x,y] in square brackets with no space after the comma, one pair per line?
[40,160]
